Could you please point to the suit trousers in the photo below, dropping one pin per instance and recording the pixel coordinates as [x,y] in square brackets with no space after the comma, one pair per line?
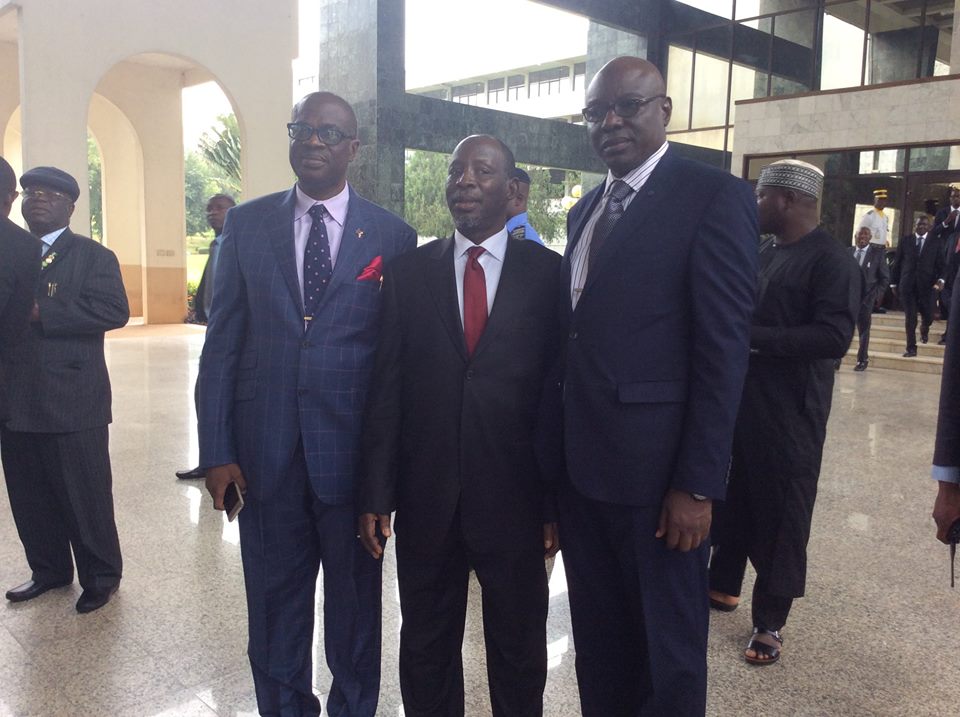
[283,542]
[913,300]
[864,320]
[639,612]
[433,603]
[61,494]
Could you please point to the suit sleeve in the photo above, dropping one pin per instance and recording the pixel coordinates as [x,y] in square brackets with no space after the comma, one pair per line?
[835,288]
[222,346]
[883,272]
[722,284]
[99,305]
[946,450]
[897,264]
[376,490]
[18,281]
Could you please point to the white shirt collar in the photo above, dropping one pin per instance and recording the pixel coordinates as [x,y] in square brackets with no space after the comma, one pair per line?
[495,245]
[336,205]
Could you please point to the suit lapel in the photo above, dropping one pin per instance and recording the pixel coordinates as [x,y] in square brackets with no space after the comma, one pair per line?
[60,248]
[442,281]
[659,185]
[351,245]
[280,228]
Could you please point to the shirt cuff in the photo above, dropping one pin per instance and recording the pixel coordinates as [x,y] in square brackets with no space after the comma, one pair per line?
[946,474]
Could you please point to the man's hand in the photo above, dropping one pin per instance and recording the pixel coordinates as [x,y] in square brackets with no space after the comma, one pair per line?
[684,522]
[367,532]
[946,508]
[551,540]
[219,478]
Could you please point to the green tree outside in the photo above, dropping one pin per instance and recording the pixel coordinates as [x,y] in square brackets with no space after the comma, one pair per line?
[95,184]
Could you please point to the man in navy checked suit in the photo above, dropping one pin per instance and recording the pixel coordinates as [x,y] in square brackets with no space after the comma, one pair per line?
[283,381]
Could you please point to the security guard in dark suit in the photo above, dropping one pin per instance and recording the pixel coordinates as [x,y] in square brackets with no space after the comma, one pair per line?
[55,444]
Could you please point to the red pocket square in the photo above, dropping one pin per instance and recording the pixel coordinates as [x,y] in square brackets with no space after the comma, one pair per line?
[373,270]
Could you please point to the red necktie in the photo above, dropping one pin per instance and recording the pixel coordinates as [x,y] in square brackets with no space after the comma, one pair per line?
[474,299]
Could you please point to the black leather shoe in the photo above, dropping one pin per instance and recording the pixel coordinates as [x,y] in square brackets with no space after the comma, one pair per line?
[30,589]
[942,341]
[92,600]
[909,353]
[861,366]
[923,338]
[193,474]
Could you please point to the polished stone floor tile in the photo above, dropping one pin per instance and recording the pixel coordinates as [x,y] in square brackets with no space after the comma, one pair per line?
[875,635]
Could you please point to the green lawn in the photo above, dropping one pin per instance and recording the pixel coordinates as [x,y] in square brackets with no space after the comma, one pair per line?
[195,264]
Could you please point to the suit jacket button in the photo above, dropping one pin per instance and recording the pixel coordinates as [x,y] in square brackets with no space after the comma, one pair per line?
[469,374]
[307,344]
[573,335]
[302,391]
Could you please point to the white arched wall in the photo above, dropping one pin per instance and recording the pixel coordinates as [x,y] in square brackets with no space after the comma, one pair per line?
[121,158]
[92,40]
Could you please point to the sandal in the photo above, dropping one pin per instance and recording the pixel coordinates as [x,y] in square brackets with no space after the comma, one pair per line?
[764,654]
[718,604]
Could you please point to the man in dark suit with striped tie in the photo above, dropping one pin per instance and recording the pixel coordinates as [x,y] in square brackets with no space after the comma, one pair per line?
[55,444]
[283,380]
[876,277]
[656,356]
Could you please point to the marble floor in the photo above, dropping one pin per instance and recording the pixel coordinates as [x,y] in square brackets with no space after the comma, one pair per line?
[876,634]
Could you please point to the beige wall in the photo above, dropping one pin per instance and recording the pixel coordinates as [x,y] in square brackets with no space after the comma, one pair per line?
[859,117]
[70,51]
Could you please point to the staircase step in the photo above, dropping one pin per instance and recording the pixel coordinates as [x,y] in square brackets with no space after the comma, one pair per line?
[898,344]
[886,359]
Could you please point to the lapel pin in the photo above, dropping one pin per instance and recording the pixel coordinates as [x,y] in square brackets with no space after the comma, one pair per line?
[359,233]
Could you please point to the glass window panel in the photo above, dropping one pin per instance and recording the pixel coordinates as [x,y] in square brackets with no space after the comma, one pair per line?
[709,92]
[751,55]
[882,161]
[753,8]
[720,8]
[793,59]
[929,159]
[679,82]
[895,42]
[841,56]
[711,138]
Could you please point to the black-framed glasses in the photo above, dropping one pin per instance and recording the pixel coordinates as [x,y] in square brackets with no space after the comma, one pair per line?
[329,134]
[46,194]
[625,107]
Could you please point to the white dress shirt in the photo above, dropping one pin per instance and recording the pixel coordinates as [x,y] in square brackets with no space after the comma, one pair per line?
[491,260]
[579,258]
[333,219]
[49,239]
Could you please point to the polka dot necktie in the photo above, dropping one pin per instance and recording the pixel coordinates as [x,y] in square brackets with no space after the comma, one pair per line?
[317,266]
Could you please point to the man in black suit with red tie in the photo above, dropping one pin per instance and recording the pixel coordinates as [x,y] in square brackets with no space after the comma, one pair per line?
[470,329]
[54,445]
[917,276]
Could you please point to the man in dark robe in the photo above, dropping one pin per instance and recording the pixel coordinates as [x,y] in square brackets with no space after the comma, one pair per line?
[808,294]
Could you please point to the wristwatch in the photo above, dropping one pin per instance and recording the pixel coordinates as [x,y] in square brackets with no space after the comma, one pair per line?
[699,498]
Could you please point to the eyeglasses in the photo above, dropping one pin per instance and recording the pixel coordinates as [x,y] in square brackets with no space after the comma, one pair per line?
[625,107]
[45,194]
[329,134]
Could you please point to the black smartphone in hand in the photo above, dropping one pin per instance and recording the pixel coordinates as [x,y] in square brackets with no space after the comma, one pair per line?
[232,501]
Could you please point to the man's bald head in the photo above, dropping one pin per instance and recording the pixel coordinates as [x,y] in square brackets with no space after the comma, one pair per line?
[316,99]
[627,102]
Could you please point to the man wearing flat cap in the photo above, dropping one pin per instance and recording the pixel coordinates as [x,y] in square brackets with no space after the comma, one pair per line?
[875,220]
[55,444]
[808,296]
[518,223]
